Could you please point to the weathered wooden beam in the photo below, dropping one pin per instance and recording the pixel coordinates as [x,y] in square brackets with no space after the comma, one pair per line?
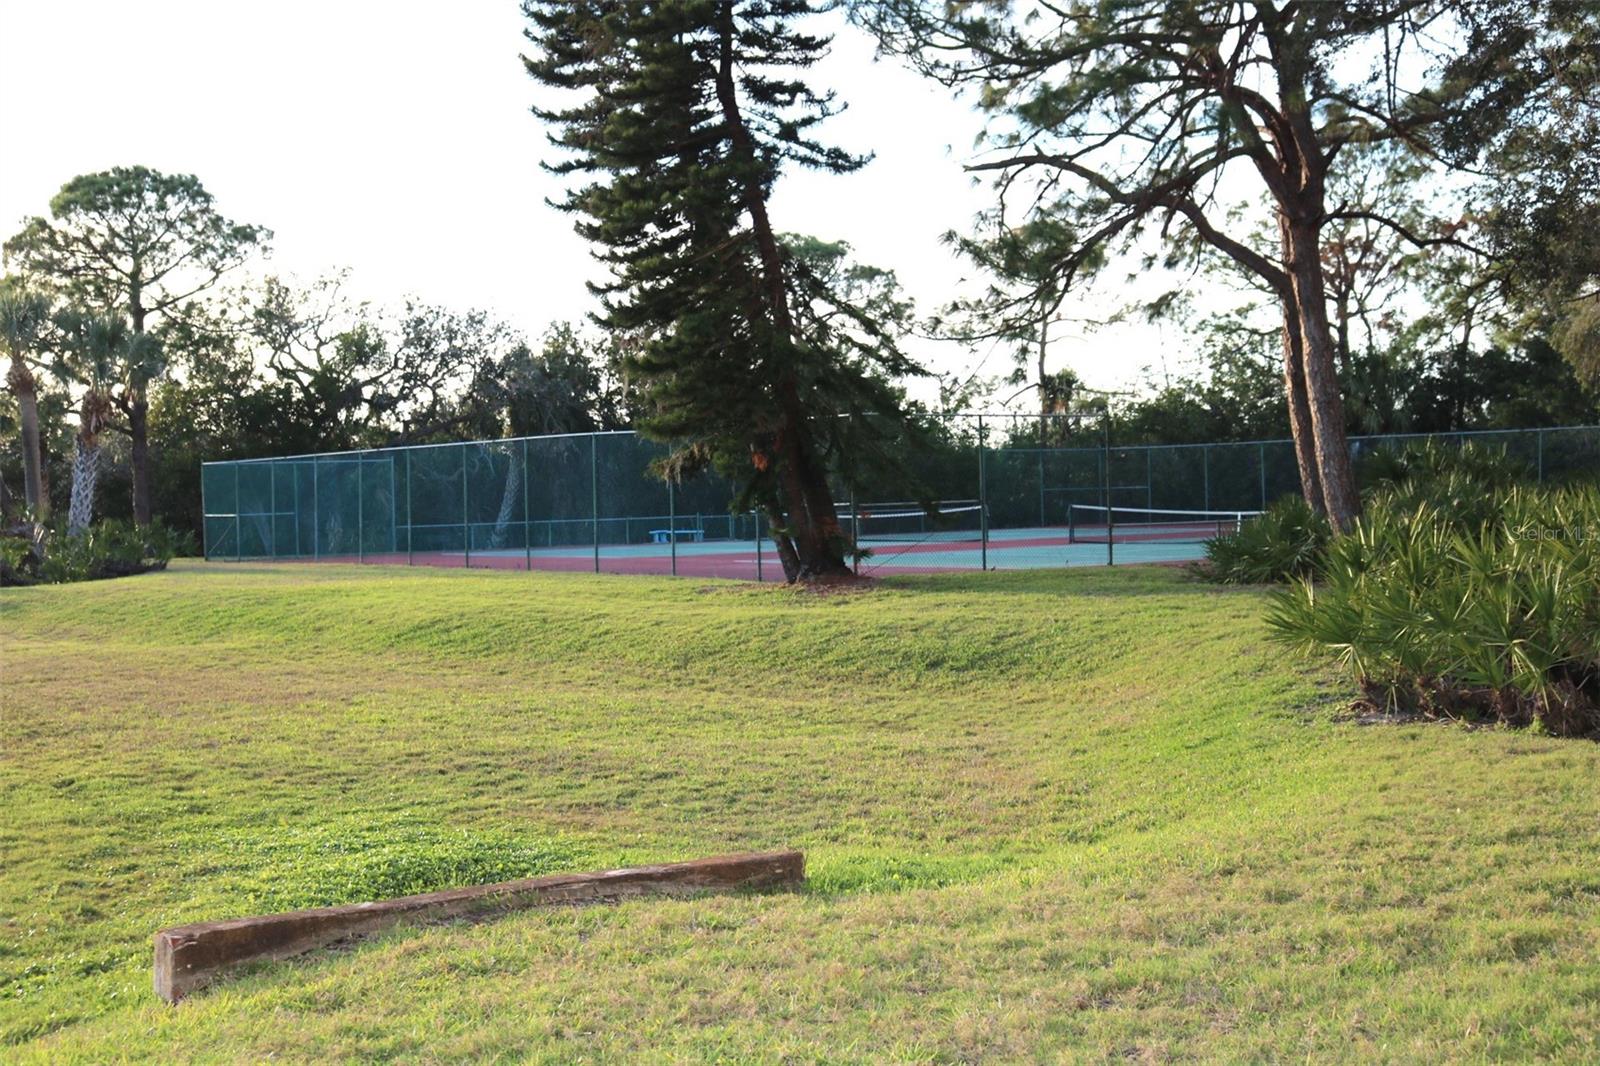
[189,956]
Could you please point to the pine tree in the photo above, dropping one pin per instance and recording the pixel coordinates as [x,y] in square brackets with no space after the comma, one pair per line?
[689,111]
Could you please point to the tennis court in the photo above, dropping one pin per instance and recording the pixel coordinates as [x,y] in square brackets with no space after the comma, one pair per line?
[1005,498]
[896,538]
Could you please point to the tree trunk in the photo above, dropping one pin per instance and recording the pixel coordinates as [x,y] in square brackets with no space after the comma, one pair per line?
[1294,387]
[139,456]
[1294,383]
[85,471]
[1323,400]
[20,379]
[813,523]
[508,499]
[787,556]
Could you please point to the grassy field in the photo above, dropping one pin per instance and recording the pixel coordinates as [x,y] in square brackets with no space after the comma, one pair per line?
[1081,815]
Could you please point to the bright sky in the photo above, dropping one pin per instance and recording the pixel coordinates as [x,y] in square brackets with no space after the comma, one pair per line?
[394,140]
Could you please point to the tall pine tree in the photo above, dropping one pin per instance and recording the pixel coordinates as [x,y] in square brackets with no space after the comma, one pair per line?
[687,112]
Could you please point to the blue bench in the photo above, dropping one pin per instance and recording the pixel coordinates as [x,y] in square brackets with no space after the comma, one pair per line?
[664,536]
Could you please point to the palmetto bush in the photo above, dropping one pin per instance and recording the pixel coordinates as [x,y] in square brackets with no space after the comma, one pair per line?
[1283,543]
[1452,607]
[110,548]
[1464,482]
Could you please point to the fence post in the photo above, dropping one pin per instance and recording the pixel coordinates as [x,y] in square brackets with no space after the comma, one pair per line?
[238,529]
[205,515]
[1538,436]
[1205,475]
[1105,482]
[672,524]
[983,502]
[394,510]
[466,528]
[361,507]
[527,528]
[316,513]
[410,548]
[855,523]
[756,514]
[1042,521]
[1262,462]
[594,498]
[1149,490]
[272,521]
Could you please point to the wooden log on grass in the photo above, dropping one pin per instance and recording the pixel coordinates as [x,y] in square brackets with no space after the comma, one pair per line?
[190,956]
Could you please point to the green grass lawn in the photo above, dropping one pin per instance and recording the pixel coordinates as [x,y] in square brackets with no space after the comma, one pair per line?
[1065,815]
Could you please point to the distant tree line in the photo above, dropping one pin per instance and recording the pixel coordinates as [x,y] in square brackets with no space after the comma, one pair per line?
[131,359]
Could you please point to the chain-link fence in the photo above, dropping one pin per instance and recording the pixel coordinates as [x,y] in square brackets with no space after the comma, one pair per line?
[986,492]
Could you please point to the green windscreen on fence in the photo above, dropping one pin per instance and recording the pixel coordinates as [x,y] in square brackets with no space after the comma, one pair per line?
[984,492]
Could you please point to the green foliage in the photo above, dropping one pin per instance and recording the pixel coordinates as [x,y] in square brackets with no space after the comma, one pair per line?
[1461,482]
[1420,466]
[1284,543]
[1453,610]
[133,240]
[109,548]
[17,560]
[748,344]
[346,860]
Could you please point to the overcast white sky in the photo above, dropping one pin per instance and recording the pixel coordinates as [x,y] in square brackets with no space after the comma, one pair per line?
[394,139]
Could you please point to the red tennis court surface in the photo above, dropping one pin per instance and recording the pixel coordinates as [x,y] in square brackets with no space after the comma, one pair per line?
[742,561]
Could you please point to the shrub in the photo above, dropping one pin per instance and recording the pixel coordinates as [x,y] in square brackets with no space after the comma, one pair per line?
[1441,611]
[106,549]
[1283,543]
[1462,484]
[1421,463]
[19,562]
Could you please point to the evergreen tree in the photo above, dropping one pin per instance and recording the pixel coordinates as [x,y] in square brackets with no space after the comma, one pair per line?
[752,357]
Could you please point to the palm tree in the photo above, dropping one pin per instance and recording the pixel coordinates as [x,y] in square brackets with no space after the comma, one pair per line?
[97,348]
[24,317]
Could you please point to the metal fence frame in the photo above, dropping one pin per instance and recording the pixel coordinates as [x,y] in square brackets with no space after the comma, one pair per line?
[1216,476]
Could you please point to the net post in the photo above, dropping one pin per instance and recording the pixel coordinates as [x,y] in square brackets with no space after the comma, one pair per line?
[238,539]
[1072,523]
[594,498]
[466,530]
[672,524]
[527,529]
[983,503]
[361,507]
[410,547]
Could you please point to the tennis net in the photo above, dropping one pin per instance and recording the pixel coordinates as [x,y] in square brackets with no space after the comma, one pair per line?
[1094,524]
[957,520]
